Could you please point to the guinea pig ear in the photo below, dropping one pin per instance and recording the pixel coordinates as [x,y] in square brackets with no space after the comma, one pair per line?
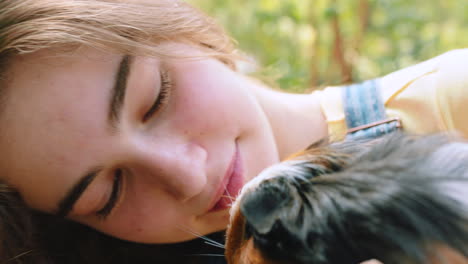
[272,201]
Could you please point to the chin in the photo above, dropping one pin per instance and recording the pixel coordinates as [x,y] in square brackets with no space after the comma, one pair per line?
[397,199]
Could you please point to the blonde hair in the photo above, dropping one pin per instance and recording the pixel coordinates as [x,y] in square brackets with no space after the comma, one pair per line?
[125,27]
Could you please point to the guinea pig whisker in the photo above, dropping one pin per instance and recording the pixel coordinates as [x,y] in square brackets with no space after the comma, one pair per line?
[207,240]
[207,255]
[229,196]
[218,245]
[232,198]
[20,255]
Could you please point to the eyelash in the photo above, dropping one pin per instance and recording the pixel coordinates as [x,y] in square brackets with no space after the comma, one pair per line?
[163,97]
[114,196]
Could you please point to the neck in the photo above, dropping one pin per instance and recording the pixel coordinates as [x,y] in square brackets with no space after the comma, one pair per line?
[296,119]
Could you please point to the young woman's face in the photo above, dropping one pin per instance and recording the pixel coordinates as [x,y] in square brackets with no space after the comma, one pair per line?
[139,148]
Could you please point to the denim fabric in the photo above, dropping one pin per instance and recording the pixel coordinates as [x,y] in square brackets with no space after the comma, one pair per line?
[363,105]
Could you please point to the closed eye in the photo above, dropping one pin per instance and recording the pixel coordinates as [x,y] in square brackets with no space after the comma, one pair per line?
[163,96]
[114,196]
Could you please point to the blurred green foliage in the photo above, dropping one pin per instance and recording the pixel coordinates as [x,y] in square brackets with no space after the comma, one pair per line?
[299,41]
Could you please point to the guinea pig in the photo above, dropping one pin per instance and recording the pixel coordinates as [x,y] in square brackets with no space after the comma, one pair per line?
[398,199]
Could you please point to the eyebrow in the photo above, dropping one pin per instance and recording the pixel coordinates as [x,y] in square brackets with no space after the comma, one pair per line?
[118,91]
[66,204]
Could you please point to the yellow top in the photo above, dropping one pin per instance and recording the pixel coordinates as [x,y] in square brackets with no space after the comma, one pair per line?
[429,97]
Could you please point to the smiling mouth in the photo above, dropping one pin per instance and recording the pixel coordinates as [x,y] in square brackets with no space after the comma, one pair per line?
[232,183]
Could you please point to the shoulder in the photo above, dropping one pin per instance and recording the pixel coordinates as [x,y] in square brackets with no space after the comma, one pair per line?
[432,95]
[448,67]
[458,56]
[452,69]
[452,89]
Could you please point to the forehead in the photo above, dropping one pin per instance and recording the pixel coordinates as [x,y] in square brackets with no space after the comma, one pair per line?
[52,104]
[46,73]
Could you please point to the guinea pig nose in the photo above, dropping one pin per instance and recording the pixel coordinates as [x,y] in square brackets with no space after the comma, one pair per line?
[271,202]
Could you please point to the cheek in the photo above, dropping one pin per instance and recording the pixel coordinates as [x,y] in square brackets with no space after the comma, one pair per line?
[224,113]
[142,218]
[216,106]
[210,104]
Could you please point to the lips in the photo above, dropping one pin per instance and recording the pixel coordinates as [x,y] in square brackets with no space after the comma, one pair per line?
[231,184]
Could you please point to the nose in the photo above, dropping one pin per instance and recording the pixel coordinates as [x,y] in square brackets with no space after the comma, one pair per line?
[177,167]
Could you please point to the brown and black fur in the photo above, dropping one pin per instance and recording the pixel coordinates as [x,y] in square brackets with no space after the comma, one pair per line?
[400,199]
